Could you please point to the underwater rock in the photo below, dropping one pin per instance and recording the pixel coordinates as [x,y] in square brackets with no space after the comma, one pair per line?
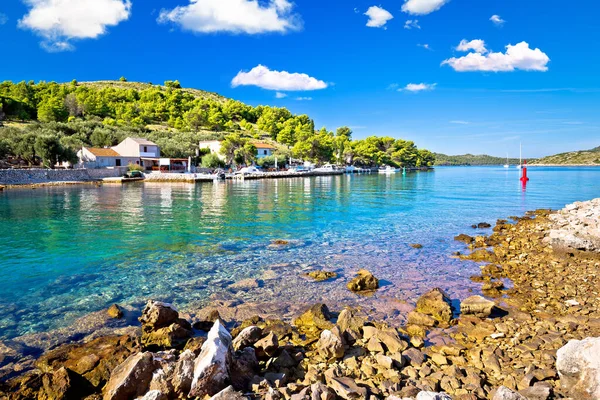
[436,304]
[320,276]
[115,311]
[364,281]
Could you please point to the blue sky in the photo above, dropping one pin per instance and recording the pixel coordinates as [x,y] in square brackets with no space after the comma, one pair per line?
[359,63]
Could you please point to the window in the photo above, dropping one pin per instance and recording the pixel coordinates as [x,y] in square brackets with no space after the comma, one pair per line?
[266,152]
[145,149]
[118,162]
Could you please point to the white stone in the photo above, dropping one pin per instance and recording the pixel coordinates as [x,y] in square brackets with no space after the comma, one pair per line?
[578,365]
[433,396]
[504,393]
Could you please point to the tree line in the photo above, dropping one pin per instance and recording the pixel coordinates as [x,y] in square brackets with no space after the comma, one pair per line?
[61,118]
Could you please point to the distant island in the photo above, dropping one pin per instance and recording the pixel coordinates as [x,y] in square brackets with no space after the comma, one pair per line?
[585,157]
[471,159]
[47,122]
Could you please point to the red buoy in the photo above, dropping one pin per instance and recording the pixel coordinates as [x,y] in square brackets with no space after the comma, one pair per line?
[524,178]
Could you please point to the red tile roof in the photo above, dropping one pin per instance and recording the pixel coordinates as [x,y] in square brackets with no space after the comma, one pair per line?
[261,145]
[103,152]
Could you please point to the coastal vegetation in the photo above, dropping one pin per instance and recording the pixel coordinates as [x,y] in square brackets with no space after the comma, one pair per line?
[585,157]
[46,122]
[471,159]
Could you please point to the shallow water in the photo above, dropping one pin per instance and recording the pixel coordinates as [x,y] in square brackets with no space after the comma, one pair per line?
[68,251]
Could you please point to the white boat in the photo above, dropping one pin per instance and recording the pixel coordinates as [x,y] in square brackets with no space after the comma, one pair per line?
[388,170]
[326,168]
[507,165]
[520,156]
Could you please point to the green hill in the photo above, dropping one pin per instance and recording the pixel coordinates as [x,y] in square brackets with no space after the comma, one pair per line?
[470,159]
[585,157]
[46,122]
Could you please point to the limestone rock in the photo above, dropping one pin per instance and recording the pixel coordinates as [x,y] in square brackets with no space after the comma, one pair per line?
[504,393]
[478,306]
[350,325]
[130,379]
[316,317]
[364,281]
[418,318]
[320,276]
[247,337]
[436,304]
[330,344]
[578,365]
[267,346]
[211,368]
[464,238]
[157,315]
[183,373]
[115,311]
[162,327]
[347,388]
[228,393]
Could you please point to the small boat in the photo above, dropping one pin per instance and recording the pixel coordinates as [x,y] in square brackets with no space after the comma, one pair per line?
[520,156]
[507,165]
[326,168]
[388,170]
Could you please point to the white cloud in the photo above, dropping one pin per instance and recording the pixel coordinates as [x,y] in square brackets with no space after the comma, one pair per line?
[263,77]
[519,56]
[476,45]
[418,87]
[497,20]
[234,16]
[303,98]
[280,95]
[412,23]
[459,122]
[425,46]
[393,86]
[422,7]
[60,21]
[3,19]
[378,17]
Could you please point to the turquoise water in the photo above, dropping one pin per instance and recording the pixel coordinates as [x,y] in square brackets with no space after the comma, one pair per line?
[68,251]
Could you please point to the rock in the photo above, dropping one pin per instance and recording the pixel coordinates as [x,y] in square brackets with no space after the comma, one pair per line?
[391,341]
[578,365]
[280,242]
[195,344]
[330,344]
[207,323]
[321,392]
[347,388]
[247,337]
[320,276]
[162,327]
[539,391]
[433,396]
[64,384]
[316,317]
[350,325]
[481,225]
[364,281]
[183,374]
[436,304]
[417,318]
[94,360]
[504,393]
[415,357]
[245,284]
[211,368]
[416,246]
[282,361]
[243,368]
[115,311]
[477,306]
[267,346]
[130,379]
[464,238]
[153,395]
[229,393]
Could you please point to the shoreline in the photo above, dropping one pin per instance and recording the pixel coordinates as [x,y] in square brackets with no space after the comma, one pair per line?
[544,309]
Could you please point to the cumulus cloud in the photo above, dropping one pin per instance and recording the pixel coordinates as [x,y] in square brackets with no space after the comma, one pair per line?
[280,95]
[60,21]
[3,19]
[234,16]
[519,56]
[497,20]
[412,23]
[418,87]
[265,78]
[378,17]
[476,45]
[422,7]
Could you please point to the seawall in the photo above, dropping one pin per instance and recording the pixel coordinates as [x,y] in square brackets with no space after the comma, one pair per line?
[10,177]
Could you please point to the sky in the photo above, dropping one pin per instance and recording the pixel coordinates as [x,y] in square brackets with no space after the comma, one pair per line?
[454,76]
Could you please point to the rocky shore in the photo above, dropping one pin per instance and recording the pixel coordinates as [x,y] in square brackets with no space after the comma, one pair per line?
[534,334]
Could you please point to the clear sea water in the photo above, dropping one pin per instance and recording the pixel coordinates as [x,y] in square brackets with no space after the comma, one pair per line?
[68,251]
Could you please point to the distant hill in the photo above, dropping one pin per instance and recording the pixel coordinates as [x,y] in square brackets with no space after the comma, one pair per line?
[585,157]
[470,159]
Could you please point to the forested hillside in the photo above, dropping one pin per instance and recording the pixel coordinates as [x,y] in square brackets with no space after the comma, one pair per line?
[46,122]
[585,157]
[470,159]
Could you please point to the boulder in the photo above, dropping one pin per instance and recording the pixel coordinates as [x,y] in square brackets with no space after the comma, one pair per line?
[436,304]
[243,368]
[64,384]
[350,325]
[316,317]
[504,393]
[477,306]
[364,281]
[578,365]
[162,327]
[330,344]
[183,374]
[229,393]
[130,379]
[115,311]
[247,337]
[391,340]
[464,238]
[211,368]
[417,318]
[346,388]
[318,391]
[267,346]
[157,315]
[320,276]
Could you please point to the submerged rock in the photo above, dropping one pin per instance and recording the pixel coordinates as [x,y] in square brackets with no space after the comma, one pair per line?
[477,306]
[416,246]
[364,281]
[211,368]
[320,276]
[578,365]
[115,311]
[464,238]
[436,304]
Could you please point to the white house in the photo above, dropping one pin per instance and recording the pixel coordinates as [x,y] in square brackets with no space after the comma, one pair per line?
[91,158]
[262,149]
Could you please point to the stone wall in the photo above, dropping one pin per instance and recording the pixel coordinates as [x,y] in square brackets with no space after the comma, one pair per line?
[33,176]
